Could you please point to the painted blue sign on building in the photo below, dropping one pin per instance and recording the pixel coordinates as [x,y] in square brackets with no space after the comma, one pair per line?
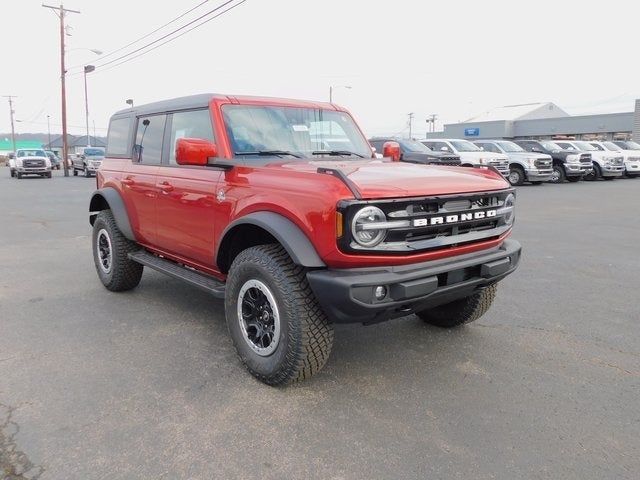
[471,132]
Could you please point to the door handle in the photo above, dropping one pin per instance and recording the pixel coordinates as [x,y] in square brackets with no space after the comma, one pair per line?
[127,181]
[166,187]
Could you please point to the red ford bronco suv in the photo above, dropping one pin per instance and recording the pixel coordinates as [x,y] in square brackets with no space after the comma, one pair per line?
[280,208]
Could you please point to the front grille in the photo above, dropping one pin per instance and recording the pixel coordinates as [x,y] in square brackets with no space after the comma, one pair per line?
[633,159]
[501,165]
[542,163]
[454,161]
[33,163]
[585,158]
[422,224]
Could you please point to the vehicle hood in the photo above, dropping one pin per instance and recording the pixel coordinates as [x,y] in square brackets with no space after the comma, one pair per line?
[32,157]
[482,154]
[528,155]
[385,179]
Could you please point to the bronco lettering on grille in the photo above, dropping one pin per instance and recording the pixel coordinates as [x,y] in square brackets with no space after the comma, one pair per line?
[455,218]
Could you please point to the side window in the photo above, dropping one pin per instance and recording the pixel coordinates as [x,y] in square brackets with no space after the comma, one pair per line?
[441,147]
[377,144]
[191,124]
[490,147]
[118,137]
[149,136]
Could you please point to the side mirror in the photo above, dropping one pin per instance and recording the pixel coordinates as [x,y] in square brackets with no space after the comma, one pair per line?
[391,150]
[194,151]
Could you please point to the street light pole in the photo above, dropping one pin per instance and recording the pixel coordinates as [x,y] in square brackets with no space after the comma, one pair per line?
[87,69]
[331,87]
[61,11]
[49,131]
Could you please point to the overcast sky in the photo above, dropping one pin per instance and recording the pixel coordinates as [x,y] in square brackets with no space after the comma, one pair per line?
[452,58]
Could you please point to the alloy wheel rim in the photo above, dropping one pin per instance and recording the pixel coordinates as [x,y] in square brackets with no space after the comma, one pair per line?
[258,317]
[555,175]
[103,247]
[514,177]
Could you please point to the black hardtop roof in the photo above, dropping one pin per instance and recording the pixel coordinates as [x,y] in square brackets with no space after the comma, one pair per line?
[180,103]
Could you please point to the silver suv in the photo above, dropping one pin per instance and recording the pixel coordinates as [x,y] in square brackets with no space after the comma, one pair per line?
[523,166]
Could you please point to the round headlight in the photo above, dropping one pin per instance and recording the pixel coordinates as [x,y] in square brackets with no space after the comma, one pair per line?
[509,207]
[362,229]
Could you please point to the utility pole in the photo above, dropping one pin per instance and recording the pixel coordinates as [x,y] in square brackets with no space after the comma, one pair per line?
[11,112]
[60,12]
[410,124]
[431,120]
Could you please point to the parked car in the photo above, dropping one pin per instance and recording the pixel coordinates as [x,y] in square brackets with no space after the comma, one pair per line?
[87,161]
[607,165]
[231,195]
[55,160]
[631,153]
[11,163]
[415,152]
[470,155]
[567,165]
[523,165]
[31,161]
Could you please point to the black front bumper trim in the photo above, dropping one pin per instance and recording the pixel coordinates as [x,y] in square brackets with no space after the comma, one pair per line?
[347,296]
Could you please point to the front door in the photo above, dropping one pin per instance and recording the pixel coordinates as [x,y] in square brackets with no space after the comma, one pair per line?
[187,194]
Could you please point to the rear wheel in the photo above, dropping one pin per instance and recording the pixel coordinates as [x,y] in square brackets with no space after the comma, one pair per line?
[558,175]
[516,175]
[461,311]
[277,326]
[110,255]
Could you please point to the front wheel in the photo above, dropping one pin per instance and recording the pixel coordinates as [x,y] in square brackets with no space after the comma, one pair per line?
[277,326]
[558,175]
[461,311]
[111,255]
[594,174]
[574,179]
[516,175]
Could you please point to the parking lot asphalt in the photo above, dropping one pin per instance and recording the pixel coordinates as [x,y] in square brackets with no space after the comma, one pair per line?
[146,384]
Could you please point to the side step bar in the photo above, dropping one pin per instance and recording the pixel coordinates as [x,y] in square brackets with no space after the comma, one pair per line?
[197,279]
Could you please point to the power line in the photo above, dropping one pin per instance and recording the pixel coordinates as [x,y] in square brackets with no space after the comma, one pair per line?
[109,54]
[98,64]
[168,40]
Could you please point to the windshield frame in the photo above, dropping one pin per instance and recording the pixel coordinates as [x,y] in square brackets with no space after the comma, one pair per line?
[584,143]
[27,152]
[507,146]
[455,143]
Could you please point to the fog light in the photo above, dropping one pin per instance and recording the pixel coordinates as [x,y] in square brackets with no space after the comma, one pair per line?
[380,292]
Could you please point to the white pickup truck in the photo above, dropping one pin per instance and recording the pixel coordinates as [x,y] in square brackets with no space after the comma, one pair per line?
[30,161]
[629,150]
[470,154]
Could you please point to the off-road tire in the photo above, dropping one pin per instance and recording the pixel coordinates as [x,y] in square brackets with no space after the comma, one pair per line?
[306,334]
[461,311]
[125,274]
[516,175]
[562,176]
[574,179]
[75,172]
[595,174]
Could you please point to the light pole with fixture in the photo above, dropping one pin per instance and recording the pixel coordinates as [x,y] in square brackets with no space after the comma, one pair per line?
[129,102]
[49,130]
[331,87]
[87,69]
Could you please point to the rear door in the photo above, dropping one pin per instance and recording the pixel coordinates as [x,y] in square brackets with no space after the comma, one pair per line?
[187,194]
[139,179]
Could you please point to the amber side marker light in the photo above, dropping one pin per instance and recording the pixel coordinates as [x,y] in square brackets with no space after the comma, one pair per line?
[339,225]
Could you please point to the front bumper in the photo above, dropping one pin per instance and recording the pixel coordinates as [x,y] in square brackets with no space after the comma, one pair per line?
[347,296]
[536,175]
[612,170]
[33,171]
[632,167]
[574,169]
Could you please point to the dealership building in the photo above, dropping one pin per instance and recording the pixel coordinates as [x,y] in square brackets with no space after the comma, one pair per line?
[544,121]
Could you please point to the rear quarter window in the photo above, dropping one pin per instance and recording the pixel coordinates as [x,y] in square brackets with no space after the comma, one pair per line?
[118,137]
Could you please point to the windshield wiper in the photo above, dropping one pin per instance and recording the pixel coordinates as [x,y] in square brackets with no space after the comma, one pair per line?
[267,153]
[336,153]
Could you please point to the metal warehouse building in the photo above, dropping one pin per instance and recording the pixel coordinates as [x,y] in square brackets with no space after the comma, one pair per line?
[544,121]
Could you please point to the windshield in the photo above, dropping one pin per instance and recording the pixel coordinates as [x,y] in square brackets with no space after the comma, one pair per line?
[510,147]
[597,147]
[94,152]
[632,145]
[586,146]
[31,153]
[551,146]
[300,131]
[413,146]
[611,146]
[464,146]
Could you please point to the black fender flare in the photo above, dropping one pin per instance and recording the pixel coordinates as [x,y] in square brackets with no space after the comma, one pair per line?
[287,233]
[109,198]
